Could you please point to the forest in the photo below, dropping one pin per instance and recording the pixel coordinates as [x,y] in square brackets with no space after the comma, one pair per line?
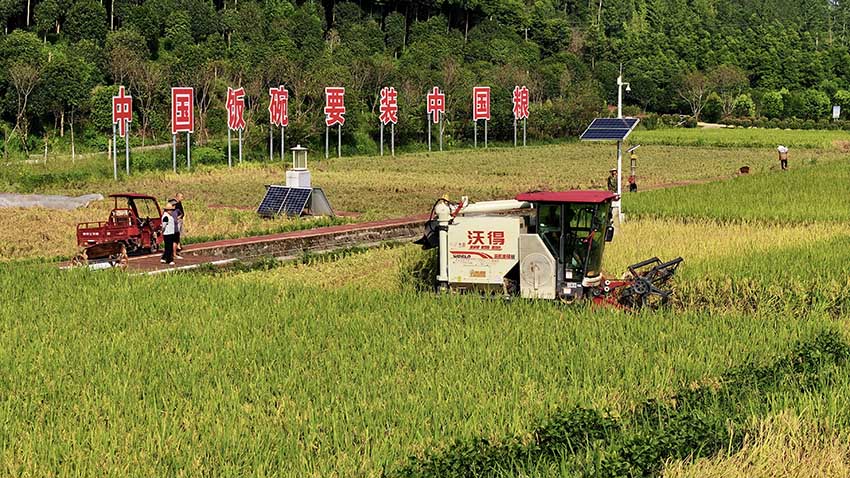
[61,61]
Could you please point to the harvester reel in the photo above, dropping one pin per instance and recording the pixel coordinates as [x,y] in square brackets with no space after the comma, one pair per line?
[643,286]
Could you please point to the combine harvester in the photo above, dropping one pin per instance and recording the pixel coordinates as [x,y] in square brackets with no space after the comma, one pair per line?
[552,250]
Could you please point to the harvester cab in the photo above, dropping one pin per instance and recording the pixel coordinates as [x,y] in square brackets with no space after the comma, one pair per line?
[542,245]
[574,227]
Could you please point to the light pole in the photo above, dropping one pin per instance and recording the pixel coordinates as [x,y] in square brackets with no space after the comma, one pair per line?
[618,203]
[620,84]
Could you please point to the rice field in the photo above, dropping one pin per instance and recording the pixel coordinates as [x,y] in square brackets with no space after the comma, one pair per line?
[337,366]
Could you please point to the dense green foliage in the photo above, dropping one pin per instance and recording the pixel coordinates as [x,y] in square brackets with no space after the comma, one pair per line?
[59,58]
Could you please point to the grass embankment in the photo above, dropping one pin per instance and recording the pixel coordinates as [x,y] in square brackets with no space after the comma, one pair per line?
[376,187]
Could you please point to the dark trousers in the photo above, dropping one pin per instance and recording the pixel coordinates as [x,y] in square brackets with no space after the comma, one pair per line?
[168,252]
[783,163]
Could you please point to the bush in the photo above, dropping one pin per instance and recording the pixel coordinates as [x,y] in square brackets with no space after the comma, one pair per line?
[713,108]
[814,104]
[744,106]
[772,104]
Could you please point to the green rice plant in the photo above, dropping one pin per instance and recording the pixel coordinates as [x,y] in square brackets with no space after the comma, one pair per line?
[801,195]
[741,138]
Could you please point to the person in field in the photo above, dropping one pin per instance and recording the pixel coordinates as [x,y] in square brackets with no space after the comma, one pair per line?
[783,157]
[612,181]
[169,229]
[180,214]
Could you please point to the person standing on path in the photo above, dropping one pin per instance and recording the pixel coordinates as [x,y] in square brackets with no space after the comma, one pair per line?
[612,181]
[169,229]
[181,214]
[783,157]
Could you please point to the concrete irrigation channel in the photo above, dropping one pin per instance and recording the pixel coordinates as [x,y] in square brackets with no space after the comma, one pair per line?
[282,245]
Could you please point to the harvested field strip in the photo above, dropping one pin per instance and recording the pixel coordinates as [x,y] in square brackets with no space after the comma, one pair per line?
[799,445]
[695,422]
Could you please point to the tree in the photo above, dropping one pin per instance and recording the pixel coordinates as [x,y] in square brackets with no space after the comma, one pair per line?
[147,80]
[24,78]
[693,88]
[86,21]
[728,82]
[772,104]
[744,106]
[814,104]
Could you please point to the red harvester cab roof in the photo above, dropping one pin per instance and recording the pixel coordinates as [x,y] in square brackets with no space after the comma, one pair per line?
[574,196]
[131,196]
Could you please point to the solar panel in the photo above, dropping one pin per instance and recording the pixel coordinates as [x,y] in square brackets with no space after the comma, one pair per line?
[296,200]
[273,201]
[607,129]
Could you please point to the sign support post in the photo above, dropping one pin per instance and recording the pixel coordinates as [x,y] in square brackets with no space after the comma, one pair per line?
[520,100]
[122,115]
[334,115]
[182,120]
[114,155]
[235,106]
[441,131]
[388,105]
[271,144]
[127,147]
[174,152]
[481,109]
[475,141]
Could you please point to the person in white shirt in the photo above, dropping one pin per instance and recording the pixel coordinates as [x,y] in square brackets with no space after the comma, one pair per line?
[783,157]
[169,231]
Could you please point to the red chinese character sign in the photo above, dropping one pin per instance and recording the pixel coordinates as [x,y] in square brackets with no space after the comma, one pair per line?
[481,109]
[122,115]
[388,107]
[235,106]
[435,107]
[520,101]
[334,114]
[182,121]
[278,116]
